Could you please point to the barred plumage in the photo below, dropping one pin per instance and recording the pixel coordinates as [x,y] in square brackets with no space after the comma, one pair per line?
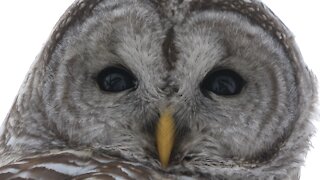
[74,165]
[226,74]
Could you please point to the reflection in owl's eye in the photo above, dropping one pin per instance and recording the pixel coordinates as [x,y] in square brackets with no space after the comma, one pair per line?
[223,82]
[115,79]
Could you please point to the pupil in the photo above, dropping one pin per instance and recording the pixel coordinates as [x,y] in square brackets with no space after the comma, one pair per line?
[115,79]
[223,82]
[224,85]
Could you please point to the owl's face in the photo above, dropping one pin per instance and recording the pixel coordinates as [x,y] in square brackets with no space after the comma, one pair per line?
[234,94]
[227,81]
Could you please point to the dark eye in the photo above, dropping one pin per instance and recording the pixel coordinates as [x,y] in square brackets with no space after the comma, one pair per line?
[223,82]
[114,79]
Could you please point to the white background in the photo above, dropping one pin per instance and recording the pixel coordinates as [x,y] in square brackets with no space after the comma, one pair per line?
[26,24]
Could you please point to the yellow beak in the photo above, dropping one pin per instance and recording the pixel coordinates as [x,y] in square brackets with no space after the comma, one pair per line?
[165,134]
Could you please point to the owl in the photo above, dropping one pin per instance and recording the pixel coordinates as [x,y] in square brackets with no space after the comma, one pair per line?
[163,89]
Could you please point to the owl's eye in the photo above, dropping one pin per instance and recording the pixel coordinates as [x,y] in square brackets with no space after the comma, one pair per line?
[114,79]
[223,82]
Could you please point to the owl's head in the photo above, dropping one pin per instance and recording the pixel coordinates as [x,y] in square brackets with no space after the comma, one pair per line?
[227,75]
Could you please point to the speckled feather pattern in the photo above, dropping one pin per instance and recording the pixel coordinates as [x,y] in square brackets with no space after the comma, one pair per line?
[63,125]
